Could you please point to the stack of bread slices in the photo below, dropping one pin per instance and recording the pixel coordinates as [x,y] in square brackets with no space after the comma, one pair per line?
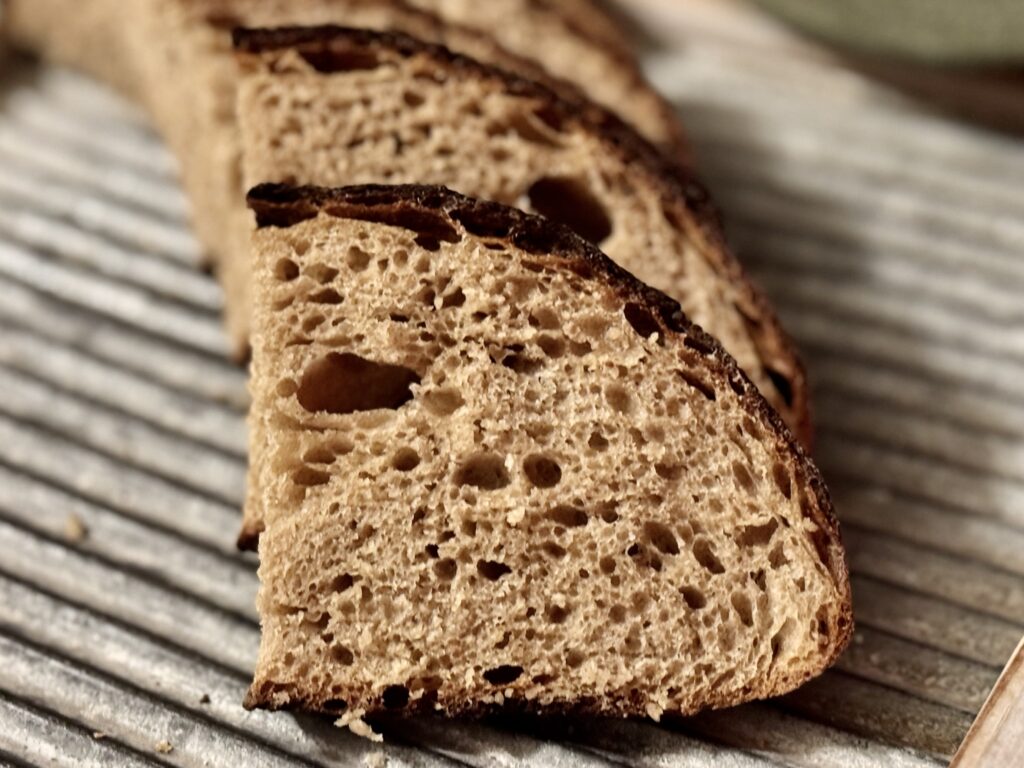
[522,432]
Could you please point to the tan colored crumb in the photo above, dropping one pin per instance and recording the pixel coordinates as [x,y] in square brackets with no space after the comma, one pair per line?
[74,529]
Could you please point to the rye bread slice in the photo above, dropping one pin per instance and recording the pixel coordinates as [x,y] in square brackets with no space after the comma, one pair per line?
[508,474]
[333,106]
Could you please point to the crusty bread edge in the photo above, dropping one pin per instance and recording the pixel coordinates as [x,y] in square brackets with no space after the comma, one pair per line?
[279,205]
[678,187]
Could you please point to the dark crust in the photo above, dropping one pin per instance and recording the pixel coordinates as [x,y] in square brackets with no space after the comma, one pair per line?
[280,205]
[680,190]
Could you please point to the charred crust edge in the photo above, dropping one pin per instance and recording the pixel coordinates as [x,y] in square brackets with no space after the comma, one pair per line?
[681,191]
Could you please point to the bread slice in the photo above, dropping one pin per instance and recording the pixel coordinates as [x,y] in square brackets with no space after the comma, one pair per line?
[577,41]
[335,106]
[506,473]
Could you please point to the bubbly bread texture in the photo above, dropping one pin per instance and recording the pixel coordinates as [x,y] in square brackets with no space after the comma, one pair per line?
[506,473]
[337,106]
[175,57]
[577,41]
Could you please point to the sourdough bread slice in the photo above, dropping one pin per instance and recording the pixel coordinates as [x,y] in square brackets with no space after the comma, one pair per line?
[577,41]
[336,106]
[506,473]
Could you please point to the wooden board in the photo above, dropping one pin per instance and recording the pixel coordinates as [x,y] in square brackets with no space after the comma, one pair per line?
[891,238]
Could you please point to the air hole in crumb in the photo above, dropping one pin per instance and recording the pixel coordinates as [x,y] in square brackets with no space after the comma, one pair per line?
[342,655]
[455,298]
[442,402]
[432,551]
[286,270]
[661,537]
[557,614]
[309,477]
[491,569]
[336,59]
[706,556]
[607,565]
[405,460]
[395,696]
[618,398]
[503,675]
[694,597]
[608,514]
[357,259]
[694,381]
[553,549]
[345,383]
[618,613]
[597,441]
[446,569]
[781,476]
[777,557]
[574,658]
[569,202]
[780,638]
[326,296]
[318,456]
[322,273]
[552,346]
[743,478]
[546,318]
[741,603]
[542,471]
[570,517]
[485,471]
[756,535]
[668,471]
[342,582]
[412,99]
[642,321]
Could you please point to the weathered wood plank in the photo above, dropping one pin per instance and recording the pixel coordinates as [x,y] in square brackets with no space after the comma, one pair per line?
[122,346]
[133,442]
[228,581]
[189,416]
[41,739]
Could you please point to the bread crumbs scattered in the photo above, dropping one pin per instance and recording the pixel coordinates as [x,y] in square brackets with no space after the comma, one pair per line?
[163,746]
[355,723]
[74,528]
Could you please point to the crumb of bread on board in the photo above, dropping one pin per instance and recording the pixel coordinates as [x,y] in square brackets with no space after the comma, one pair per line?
[74,528]
[355,723]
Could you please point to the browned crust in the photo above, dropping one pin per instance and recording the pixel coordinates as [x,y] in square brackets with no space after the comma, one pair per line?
[441,210]
[685,199]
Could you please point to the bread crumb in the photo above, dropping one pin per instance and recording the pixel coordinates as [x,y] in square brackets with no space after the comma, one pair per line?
[204,699]
[74,528]
[375,760]
[163,747]
[355,723]
[654,711]
[99,735]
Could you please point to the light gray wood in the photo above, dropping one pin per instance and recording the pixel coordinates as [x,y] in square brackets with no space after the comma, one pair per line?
[228,581]
[131,441]
[189,416]
[36,738]
[122,346]
[106,481]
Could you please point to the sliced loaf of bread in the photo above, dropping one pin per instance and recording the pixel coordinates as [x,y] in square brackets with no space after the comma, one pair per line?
[336,106]
[506,473]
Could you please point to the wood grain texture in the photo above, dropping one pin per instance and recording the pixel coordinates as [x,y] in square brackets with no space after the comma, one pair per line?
[997,736]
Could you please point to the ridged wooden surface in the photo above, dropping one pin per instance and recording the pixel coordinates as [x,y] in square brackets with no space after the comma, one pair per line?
[891,238]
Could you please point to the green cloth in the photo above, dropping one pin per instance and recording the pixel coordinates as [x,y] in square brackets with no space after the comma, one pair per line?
[952,31]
